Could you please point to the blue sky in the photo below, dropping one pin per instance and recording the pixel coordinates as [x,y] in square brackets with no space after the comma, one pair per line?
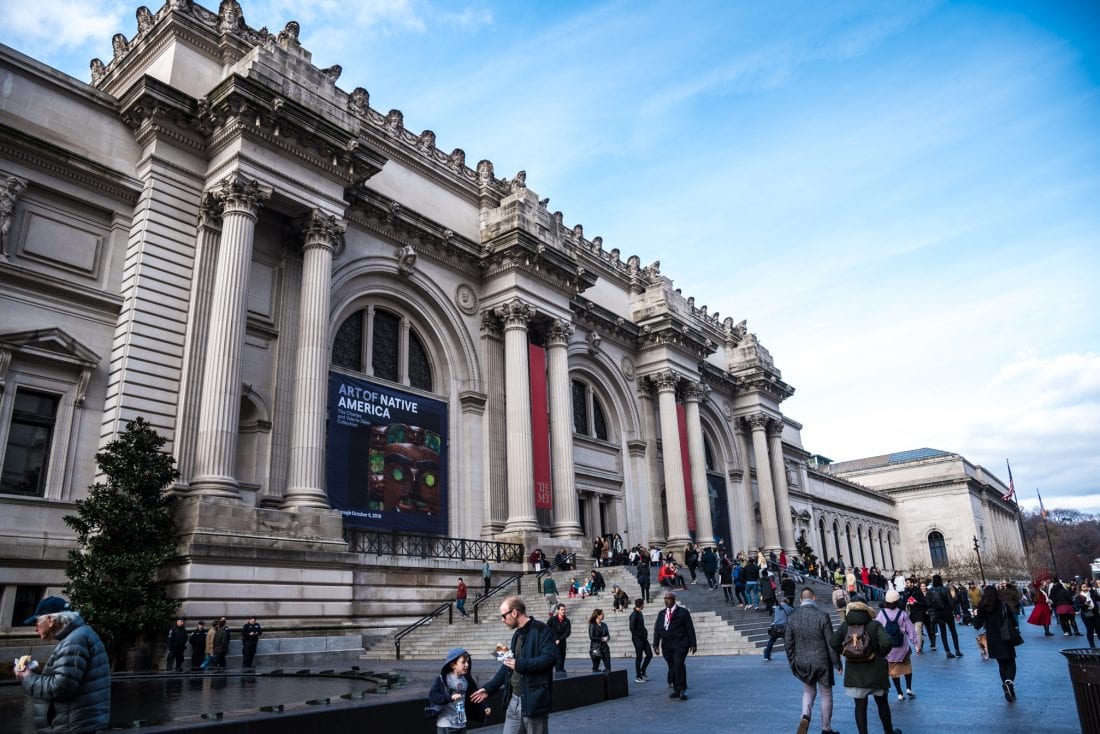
[901,198]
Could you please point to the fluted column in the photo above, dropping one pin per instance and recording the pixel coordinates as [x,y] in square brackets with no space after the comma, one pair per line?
[704,527]
[306,480]
[566,515]
[657,531]
[758,423]
[216,443]
[779,476]
[750,533]
[517,397]
[675,501]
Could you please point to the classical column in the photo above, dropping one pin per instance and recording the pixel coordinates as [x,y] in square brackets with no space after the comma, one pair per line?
[779,476]
[758,423]
[219,417]
[566,516]
[704,528]
[517,397]
[657,531]
[675,501]
[750,533]
[306,481]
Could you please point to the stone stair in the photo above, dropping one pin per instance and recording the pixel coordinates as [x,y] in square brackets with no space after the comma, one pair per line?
[714,633]
[751,623]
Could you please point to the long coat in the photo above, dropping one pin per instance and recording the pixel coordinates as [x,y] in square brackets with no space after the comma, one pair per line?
[990,619]
[874,673]
[806,643]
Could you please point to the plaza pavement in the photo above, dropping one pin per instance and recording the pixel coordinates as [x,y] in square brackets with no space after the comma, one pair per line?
[747,694]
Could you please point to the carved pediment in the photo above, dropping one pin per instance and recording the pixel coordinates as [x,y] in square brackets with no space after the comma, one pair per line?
[51,347]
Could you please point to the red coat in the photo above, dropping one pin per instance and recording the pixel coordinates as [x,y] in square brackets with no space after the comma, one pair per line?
[1040,615]
[461,593]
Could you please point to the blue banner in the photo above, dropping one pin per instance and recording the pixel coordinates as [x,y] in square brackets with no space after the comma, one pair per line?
[386,457]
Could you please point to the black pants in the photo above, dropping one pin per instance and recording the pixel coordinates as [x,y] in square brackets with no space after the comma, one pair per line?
[1007,669]
[883,714]
[488,581]
[604,657]
[1091,628]
[947,622]
[175,655]
[560,667]
[248,651]
[676,658]
[645,590]
[642,650]
[198,654]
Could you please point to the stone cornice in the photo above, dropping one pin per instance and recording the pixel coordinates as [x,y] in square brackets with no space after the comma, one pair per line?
[388,219]
[36,153]
[667,330]
[719,380]
[605,322]
[848,484]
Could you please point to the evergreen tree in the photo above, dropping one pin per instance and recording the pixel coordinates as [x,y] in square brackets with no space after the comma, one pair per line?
[126,534]
[805,552]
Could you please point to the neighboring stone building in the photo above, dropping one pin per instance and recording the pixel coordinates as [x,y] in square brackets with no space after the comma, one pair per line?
[375,364]
[943,504]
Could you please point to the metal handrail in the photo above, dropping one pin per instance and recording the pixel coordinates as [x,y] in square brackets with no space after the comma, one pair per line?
[494,591]
[431,546]
[569,560]
[426,619]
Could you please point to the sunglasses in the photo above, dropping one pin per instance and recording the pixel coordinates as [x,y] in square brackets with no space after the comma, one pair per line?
[505,614]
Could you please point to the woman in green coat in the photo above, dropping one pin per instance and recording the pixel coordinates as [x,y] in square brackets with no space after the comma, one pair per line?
[870,676]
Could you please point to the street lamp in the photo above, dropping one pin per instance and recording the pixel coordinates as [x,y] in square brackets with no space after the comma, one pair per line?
[978,551]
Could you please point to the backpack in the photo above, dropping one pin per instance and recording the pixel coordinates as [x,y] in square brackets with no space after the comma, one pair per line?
[857,645]
[893,629]
[939,600]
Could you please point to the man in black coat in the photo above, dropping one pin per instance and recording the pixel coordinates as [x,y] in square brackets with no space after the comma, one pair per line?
[643,653]
[177,641]
[250,638]
[643,577]
[198,645]
[675,631]
[562,627]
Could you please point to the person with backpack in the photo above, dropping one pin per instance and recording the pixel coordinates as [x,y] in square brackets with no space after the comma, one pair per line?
[943,615]
[861,641]
[1002,637]
[783,611]
[903,635]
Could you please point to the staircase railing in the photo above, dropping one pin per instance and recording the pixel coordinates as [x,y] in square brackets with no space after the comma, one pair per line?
[431,546]
[569,560]
[426,619]
[502,586]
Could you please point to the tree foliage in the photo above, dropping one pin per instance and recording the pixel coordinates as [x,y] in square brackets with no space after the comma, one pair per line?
[805,552]
[126,534]
[1074,542]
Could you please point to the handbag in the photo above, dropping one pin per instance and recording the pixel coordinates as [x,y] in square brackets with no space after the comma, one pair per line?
[1010,633]
[595,651]
[776,631]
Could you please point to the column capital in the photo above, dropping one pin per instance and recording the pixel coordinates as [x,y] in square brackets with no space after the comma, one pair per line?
[559,333]
[695,392]
[515,314]
[756,421]
[322,230]
[666,380]
[775,428]
[240,194]
[210,210]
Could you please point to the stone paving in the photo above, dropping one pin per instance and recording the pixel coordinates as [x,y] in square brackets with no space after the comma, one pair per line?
[746,694]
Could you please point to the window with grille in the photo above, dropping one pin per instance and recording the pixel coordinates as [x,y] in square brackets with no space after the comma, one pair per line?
[589,418]
[937,549]
[30,434]
[393,353]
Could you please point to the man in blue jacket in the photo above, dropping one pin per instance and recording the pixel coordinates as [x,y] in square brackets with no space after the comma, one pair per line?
[527,676]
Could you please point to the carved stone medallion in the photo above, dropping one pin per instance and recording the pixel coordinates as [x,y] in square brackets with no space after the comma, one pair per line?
[727,410]
[627,365]
[466,299]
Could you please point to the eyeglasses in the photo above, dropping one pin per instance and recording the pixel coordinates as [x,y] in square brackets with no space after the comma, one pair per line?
[505,614]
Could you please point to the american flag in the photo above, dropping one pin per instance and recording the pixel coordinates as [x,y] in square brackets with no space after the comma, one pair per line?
[1011,494]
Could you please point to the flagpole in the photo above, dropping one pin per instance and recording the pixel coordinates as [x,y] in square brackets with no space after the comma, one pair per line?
[1043,514]
[1016,502]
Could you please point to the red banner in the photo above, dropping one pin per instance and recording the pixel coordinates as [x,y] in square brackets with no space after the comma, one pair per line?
[685,463]
[540,428]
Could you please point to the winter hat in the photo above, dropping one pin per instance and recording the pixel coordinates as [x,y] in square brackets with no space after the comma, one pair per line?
[892,596]
[49,605]
[937,580]
[454,654]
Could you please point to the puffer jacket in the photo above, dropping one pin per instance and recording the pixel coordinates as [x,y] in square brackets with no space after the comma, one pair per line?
[73,691]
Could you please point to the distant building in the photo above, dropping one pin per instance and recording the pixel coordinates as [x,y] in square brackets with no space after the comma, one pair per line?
[374,363]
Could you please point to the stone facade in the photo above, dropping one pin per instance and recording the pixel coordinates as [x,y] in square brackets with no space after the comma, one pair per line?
[212,226]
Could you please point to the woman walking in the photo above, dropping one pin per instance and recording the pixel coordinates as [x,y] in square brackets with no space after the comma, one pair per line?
[1040,613]
[918,613]
[1086,602]
[598,638]
[863,643]
[901,630]
[725,580]
[997,619]
[1061,599]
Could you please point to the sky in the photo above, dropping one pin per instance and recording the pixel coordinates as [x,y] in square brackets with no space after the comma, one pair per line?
[902,198]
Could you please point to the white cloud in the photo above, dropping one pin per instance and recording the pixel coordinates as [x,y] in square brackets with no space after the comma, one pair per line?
[47,26]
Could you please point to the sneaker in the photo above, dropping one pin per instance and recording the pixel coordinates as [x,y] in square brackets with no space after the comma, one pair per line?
[901,697]
[674,694]
[639,680]
[909,692]
[683,696]
[950,656]
[804,725]
[958,654]
[1010,690]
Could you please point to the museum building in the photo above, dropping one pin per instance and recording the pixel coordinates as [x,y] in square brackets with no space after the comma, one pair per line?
[357,344]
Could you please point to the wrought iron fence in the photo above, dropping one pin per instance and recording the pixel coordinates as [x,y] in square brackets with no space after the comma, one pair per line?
[431,546]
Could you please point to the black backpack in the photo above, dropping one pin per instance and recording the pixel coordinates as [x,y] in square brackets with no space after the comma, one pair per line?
[893,629]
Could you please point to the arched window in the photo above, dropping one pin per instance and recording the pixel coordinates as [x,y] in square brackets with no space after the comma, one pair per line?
[859,542]
[851,555]
[824,545]
[708,455]
[836,539]
[589,418]
[383,340]
[937,548]
[890,545]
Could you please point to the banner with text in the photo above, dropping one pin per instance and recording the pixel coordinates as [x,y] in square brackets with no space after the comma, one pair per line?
[540,428]
[386,457]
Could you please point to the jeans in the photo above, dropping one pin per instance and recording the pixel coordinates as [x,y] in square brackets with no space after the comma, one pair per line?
[516,723]
[461,604]
[769,646]
[642,650]
[752,591]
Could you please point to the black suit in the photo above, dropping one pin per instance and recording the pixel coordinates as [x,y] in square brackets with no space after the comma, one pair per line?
[674,635]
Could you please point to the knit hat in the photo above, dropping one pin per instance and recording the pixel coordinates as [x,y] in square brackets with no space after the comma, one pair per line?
[892,596]
[49,605]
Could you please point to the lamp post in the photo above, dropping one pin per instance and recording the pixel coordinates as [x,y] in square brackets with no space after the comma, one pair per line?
[978,551]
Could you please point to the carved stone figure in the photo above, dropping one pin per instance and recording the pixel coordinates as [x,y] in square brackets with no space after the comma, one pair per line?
[119,45]
[98,71]
[426,141]
[144,20]
[395,121]
[485,173]
[13,187]
[519,182]
[289,33]
[458,159]
[406,260]
[359,101]
[333,72]
[230,17]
